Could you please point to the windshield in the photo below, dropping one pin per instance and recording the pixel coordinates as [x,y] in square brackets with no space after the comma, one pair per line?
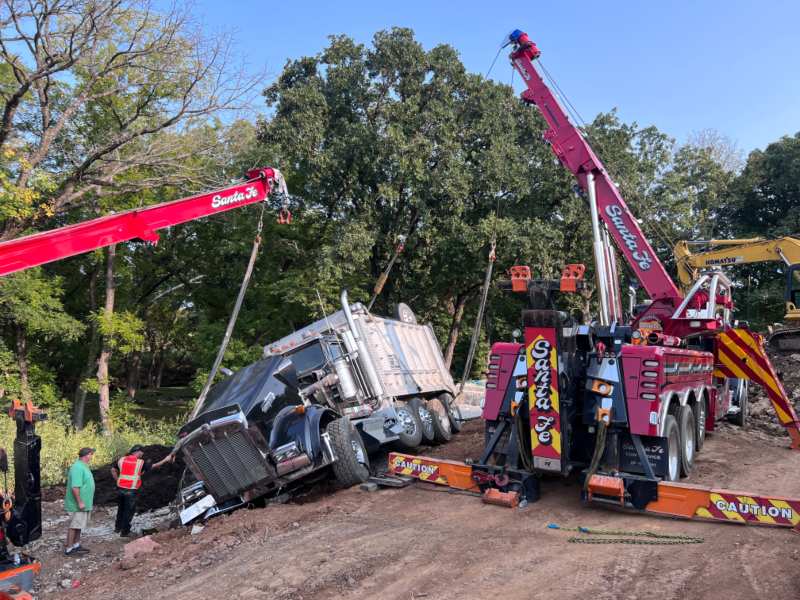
[248,387]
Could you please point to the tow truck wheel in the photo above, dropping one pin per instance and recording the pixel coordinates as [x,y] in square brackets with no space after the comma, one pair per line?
[688,433]
[352,462]
[411,436]
[426,418]
[701,414]
[442,432]
[673,471]
[740,392]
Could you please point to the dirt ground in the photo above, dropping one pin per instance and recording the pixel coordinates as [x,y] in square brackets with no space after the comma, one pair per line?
[423,542]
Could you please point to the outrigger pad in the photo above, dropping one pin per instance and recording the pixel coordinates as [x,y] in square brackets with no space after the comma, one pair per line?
[740,353]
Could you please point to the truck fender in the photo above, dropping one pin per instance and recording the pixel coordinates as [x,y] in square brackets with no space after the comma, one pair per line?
[280,428]
[317,417]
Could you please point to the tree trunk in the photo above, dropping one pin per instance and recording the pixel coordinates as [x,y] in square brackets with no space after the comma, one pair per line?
[134,362]
[22,362]
[161,361]
[151,369]
[79,401]
[105,352]
[456,309]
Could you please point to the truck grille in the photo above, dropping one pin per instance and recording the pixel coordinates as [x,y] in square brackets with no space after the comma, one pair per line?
[229,464]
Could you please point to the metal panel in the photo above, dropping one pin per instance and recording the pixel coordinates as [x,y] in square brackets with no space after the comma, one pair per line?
[407,356]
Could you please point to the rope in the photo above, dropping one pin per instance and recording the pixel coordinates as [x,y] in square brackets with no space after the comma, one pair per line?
[635,537]
[599,448]
[234,315]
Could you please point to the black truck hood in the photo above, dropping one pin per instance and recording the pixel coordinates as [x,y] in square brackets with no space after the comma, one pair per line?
[247,389]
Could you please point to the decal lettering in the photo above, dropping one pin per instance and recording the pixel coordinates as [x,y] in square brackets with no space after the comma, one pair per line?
[234,198]
[757,510]
[630,239]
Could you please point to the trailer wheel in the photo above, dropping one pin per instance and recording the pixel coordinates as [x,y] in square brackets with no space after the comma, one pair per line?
[411,436]
[453,412]
[740,399]
[352,463]
[442,432]
[426,418]
[688,431]
[673,436]
[701,414]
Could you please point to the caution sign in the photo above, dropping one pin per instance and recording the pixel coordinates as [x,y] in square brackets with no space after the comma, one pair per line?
[729,506]
[417,466]
[740,353]
[543,397]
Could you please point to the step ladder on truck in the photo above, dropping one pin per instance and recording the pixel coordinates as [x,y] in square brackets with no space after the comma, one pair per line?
[625,401]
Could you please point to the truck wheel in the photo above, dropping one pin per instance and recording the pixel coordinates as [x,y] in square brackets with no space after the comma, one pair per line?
[426,418]
[740,399]
[453,412]
[701,414]
[411,436]
[673,471]
[688,431]
[441,421]
[352,463]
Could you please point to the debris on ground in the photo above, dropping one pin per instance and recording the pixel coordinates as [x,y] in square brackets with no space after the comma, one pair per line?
[143,545]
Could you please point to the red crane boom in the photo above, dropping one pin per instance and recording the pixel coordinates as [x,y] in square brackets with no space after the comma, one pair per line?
[142,223]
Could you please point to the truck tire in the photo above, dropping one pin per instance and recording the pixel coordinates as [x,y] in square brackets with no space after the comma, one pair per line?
[673,436]
[453,412]
[701,415]
[352,463]
[688,430]
[426,419]
[411,436]
[740,398]
[441,421]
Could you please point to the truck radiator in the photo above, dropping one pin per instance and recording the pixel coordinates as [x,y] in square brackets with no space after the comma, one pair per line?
[229,465]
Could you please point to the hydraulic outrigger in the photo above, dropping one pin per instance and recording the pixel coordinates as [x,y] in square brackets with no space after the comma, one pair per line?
[626,401]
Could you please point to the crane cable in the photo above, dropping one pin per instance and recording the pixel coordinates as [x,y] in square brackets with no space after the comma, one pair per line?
[234,315]
[653,224]
[487,280]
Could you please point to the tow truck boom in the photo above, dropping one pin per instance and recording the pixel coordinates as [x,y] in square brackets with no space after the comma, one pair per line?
[142,223]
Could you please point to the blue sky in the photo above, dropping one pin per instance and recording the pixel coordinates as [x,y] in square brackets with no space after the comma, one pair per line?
[732,66]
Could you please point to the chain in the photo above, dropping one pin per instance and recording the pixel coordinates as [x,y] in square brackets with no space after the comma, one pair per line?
[649,538]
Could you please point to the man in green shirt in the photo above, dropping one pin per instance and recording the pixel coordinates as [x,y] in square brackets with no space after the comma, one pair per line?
[79,499]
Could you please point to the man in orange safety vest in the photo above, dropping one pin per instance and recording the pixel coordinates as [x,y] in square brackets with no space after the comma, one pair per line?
[128,474]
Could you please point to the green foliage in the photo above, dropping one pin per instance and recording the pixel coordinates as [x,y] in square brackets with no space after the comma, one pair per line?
[32,300]
[123,329]
[60,443]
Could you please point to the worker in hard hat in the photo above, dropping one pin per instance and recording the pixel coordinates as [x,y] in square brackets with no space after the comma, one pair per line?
[128,474]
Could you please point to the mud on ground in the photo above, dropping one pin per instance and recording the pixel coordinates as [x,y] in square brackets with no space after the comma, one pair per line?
[426,542]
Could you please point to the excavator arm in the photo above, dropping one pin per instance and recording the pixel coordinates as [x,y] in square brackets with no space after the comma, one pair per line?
[722,253]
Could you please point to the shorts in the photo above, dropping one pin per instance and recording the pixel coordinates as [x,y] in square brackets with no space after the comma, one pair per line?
[79,519]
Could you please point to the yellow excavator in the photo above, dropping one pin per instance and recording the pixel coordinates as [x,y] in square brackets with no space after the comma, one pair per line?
[722,253]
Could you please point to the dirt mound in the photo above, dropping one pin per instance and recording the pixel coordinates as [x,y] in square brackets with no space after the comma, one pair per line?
[159,486]
[762,415]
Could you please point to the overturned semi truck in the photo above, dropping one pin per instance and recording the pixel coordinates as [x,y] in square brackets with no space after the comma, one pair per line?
[326,395]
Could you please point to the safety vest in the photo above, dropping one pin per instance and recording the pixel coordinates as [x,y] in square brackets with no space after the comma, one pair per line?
[130,473]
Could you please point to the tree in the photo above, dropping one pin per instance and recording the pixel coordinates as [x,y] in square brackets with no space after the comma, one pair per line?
[30,305]
[87,87]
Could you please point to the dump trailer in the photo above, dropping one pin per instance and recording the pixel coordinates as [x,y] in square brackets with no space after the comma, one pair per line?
[326,395]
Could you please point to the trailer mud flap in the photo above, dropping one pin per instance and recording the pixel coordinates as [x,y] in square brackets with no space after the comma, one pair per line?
[740,353]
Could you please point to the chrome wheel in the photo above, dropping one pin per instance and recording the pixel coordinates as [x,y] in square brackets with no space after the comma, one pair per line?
[427,421]
[674,457]
[407,421]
